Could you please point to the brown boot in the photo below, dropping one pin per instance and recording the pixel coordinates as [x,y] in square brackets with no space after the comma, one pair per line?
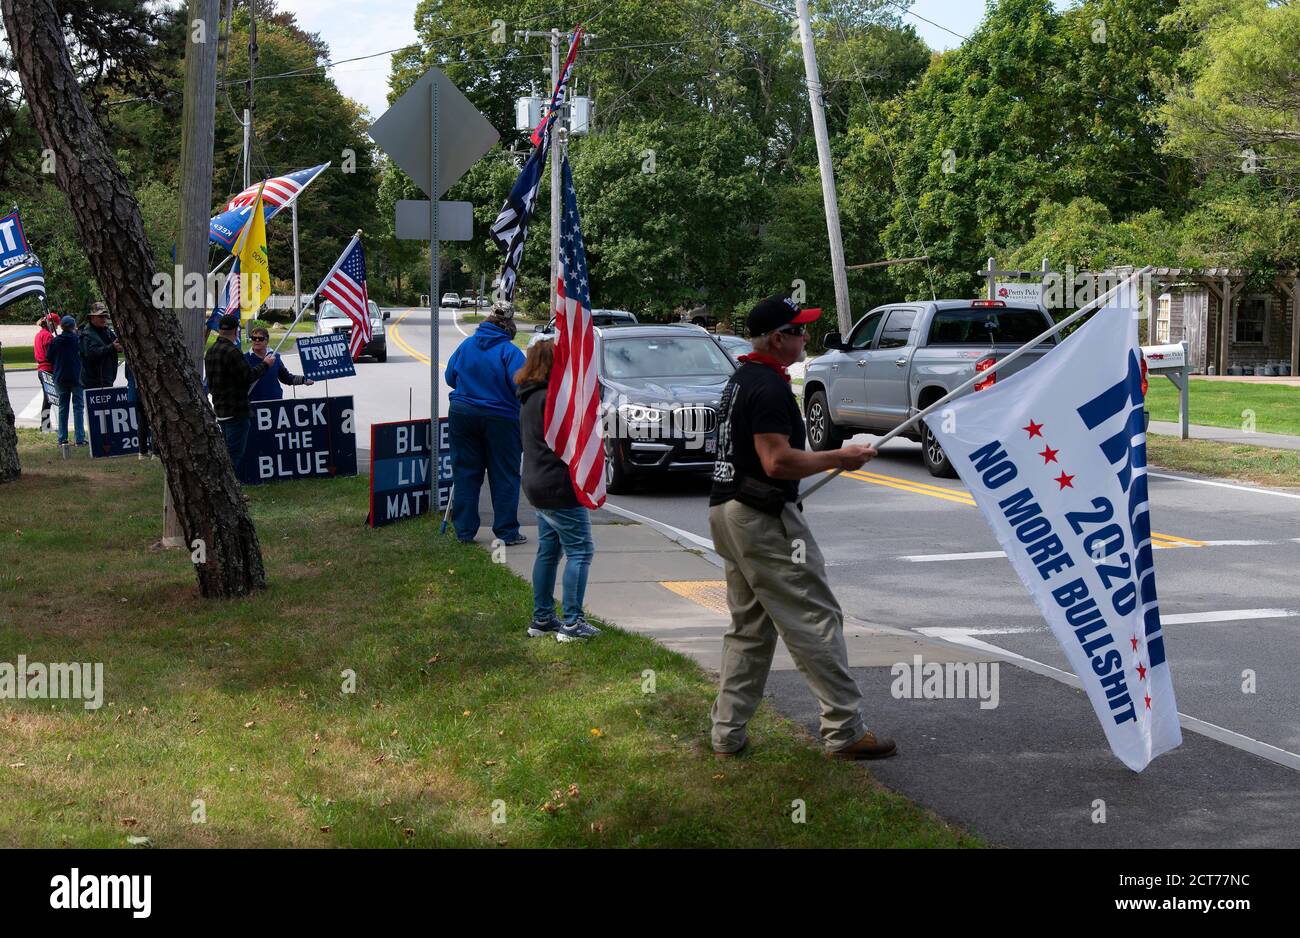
[868,747]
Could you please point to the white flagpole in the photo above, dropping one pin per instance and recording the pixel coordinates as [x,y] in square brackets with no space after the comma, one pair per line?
[355,238]
[297,288]
[983,375]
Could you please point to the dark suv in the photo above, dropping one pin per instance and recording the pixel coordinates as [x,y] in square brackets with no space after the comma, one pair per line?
[660,391]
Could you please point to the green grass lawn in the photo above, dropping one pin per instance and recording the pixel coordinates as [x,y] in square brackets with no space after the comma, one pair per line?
[1258,464]
[1276,407]
[18,356]
[456,715]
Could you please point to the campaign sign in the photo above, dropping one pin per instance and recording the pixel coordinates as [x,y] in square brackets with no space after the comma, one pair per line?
[326,356]
[312,438]
[113,423]
[13,244]
[399,470]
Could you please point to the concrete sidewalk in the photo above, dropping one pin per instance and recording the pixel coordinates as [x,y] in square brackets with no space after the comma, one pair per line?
[1032,771]
[1224,435]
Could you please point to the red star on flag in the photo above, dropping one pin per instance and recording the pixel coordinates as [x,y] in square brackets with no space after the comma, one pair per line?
[1142,672]
[1134,639]
[1148,701]
[1065,481]
[1035,429]
[1049,455]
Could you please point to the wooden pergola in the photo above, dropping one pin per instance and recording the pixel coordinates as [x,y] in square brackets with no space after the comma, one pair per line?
[1224,283]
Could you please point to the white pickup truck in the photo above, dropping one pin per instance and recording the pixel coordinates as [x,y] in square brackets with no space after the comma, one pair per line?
[902,357]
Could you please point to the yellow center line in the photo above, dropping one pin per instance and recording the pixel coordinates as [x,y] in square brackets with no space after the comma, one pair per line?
[403,344]
[965,498]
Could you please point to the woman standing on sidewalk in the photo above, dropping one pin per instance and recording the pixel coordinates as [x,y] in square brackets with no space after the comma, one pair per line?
[563,525]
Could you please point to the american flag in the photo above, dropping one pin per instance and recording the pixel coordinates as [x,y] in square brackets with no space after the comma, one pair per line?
[346,288]
[557,96]
[229,298]
[280,190]
[510,229]
[572,429]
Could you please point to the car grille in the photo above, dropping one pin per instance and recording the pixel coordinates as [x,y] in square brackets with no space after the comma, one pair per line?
[688,421]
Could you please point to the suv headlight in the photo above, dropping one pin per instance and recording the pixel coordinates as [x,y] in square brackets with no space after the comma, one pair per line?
[638,413]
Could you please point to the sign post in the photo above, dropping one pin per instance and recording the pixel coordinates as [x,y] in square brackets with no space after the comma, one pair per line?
[411,133]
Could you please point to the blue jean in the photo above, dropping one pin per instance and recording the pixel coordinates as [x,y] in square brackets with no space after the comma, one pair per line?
[235,432]
[564,531]
[484,442]
[72,393]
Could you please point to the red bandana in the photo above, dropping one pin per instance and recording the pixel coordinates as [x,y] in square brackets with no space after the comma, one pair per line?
[759,358]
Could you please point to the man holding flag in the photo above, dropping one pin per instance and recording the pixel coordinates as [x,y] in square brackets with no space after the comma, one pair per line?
[758,529]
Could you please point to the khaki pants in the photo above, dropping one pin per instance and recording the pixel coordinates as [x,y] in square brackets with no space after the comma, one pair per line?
[770,593]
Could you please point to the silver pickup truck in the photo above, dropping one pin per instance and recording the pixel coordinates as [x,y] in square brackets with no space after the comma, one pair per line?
[902,357]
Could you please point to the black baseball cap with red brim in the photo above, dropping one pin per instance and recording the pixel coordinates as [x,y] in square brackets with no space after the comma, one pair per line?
[777,312]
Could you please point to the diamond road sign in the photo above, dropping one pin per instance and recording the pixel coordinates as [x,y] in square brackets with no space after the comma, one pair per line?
[464,134]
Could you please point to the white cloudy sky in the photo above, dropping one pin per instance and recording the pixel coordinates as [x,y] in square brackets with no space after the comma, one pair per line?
[360,27]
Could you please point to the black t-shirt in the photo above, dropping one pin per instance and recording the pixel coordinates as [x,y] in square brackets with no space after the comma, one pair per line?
[756,400]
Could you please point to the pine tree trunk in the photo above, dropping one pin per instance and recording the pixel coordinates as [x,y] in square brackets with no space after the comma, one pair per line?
[9,467]
[206,493]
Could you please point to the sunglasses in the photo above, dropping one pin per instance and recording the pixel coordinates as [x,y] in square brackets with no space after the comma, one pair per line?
[260,338]
[793,330]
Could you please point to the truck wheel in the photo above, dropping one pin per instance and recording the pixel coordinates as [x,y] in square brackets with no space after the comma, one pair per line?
[382,355]
[936,460]
[618,480]
[823,435]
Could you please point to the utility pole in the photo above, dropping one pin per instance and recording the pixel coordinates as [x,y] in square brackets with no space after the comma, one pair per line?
[198,122]
[838,269]
[554,36]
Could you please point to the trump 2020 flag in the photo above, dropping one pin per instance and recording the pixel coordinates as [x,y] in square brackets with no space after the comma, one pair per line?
[1055,457]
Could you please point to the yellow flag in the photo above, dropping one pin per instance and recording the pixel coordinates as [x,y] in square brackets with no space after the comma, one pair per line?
[254,265]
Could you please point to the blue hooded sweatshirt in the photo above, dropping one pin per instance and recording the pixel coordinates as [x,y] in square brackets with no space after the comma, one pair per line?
[482,370]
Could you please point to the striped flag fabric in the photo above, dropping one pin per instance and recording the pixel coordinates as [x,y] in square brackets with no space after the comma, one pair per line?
[543,129]
[280,192]
[26,277]
[345,287]
[510,229]
[571,426]
[229,299]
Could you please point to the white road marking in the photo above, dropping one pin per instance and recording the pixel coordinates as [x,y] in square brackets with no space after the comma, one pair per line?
[1239,543]
[33,409]
[1283,757]
[455,321]
[1227,615]
[1226,485]
[973,555]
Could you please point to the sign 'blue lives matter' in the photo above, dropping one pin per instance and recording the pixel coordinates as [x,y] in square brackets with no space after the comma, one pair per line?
[399,470]
[325,356]
[310,438]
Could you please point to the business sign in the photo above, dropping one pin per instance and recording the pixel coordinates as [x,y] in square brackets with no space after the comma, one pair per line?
[113,423]
[326,356]
[313,438]
[399,470]
[1011,292]
[13,244]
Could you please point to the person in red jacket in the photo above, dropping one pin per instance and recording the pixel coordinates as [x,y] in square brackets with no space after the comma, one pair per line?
[45,329]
